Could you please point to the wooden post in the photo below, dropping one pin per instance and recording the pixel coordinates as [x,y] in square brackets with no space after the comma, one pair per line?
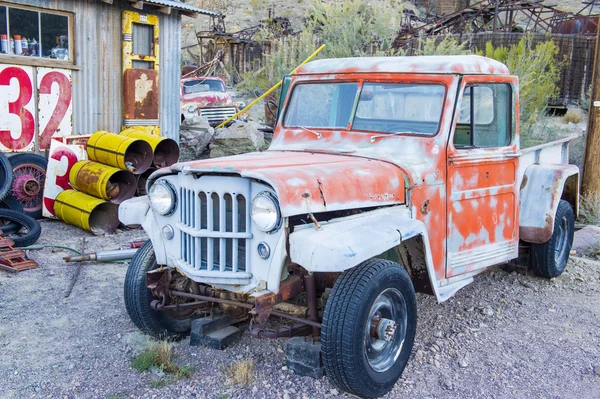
[591,160]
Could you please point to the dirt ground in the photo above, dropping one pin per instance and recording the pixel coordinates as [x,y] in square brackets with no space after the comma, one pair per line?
[507,335]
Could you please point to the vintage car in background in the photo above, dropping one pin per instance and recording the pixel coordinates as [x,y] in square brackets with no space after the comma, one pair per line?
[207,96]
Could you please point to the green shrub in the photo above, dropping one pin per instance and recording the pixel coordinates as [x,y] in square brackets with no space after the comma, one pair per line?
[448,45]
[350,28]
[538,74]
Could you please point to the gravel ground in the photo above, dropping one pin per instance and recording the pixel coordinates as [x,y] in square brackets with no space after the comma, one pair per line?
[507,335]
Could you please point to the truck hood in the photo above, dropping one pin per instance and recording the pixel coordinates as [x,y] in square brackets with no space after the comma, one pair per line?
[307,182]
[206,99]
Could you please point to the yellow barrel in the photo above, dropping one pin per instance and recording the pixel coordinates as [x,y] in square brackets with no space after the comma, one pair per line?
[166,150]
[103,181]
[121,152]
[89,213]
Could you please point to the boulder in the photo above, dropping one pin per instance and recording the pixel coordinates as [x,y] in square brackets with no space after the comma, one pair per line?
[586,240]
[237,138]
[194,136]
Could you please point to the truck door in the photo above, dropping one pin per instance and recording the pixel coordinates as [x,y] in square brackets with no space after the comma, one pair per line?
[482,173]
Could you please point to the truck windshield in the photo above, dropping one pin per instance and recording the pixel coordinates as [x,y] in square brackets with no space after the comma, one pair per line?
[382,107]
[199,86]
[325,105]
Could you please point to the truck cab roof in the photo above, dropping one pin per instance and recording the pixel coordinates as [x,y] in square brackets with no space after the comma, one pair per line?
[447,64]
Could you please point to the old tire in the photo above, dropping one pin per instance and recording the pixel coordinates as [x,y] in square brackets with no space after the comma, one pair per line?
[550,258]
[137,299]
[29,176]
[6,176]
[357,362]
[10,202]
[22,229]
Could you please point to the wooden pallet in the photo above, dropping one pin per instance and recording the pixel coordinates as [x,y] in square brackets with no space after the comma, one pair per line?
[13,260]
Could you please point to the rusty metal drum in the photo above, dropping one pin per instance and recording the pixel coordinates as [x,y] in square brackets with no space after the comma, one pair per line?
[166,150]
[121,152]
[103,181]
[87,212]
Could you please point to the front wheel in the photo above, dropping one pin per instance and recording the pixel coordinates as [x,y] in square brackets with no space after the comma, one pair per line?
[369,328]
[138,297]
[550,258]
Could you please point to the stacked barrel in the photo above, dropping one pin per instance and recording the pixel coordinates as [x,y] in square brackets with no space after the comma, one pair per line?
[117,169]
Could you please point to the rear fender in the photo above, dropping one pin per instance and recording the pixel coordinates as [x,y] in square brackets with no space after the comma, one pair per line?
[347,242]
[542,188]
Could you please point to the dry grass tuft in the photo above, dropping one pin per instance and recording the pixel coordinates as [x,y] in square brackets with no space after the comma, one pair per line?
[573,115]
[240,373]
[589,209]
[160,356]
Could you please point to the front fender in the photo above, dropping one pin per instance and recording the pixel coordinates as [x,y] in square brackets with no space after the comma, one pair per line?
[346,242]
[137,211]
[542,188]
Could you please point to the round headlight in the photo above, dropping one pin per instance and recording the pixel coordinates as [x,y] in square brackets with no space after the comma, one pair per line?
[192,109]
[265,212]
[162,197]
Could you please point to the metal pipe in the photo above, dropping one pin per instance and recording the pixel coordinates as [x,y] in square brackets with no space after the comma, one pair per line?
[103,256]
[311,296]
[266,93]
[244,305]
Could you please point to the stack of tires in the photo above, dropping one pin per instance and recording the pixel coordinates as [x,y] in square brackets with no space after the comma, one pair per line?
[22,178]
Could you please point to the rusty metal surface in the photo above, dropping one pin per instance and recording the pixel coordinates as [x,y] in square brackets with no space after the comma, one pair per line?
[140,94]
[13,260]
[541,191]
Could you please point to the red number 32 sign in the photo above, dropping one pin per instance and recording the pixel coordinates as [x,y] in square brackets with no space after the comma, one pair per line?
[35,105]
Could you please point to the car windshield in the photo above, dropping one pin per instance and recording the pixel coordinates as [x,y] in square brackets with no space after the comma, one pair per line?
[200,85]
[381,107]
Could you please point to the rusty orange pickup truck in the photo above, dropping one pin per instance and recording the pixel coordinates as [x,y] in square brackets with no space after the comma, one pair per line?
[385,176]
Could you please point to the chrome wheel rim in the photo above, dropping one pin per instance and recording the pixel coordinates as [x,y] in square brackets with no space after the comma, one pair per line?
[561,240]
[385,330]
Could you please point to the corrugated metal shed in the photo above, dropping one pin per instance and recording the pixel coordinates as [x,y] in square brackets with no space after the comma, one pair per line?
[97,74]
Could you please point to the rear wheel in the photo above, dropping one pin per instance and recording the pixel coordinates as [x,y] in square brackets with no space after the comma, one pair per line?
[138,297]
[369,328]
[29,176]
[550,258]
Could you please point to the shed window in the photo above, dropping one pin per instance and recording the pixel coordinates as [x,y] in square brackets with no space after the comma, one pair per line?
[29,32]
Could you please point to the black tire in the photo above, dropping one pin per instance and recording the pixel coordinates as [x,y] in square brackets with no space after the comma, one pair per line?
[36,165]
[550,258]
[343,337]
[6,176]
[22,229]
[138,297]
[10,202]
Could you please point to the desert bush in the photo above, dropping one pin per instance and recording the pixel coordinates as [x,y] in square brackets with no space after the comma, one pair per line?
[585,98]
[538,74]
[589,209]
[348,28]
[446,45]
[573,115]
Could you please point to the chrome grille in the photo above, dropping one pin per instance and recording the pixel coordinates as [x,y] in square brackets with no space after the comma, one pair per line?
[216,115]
[214,230]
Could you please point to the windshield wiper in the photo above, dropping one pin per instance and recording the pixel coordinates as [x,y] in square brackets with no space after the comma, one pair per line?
[312,131]
[390,134]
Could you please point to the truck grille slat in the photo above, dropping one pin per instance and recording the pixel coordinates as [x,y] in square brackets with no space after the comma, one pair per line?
[217,114]
[213,230]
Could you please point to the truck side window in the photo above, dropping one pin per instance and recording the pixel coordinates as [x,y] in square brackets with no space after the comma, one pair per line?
[485,117]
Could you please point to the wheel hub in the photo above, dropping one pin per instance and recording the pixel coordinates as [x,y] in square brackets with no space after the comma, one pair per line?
[385,330]
[25,187]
